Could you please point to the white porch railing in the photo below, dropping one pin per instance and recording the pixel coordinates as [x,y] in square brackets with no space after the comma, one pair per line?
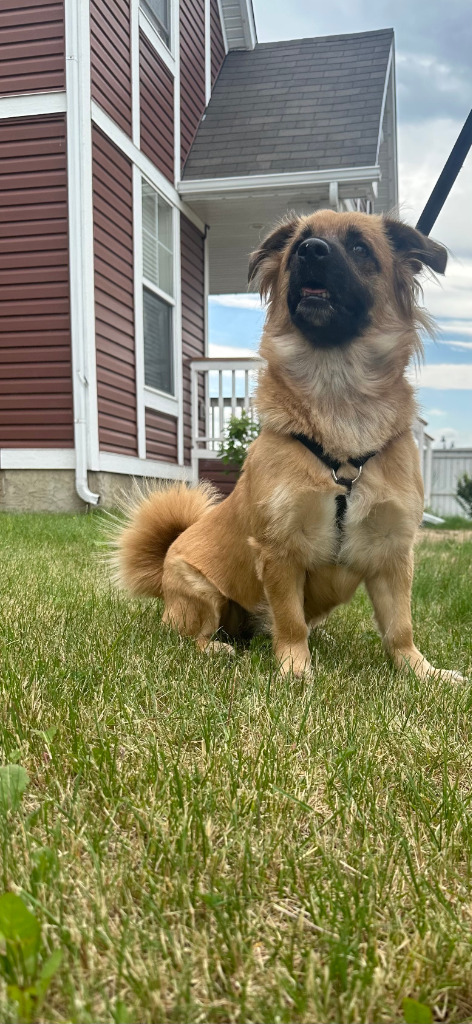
[221,388]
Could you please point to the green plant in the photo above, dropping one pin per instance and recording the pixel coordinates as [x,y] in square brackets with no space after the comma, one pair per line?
[239,433]
[464,493]
[26,973]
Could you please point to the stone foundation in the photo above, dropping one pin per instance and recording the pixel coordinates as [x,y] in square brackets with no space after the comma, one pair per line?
[53,490]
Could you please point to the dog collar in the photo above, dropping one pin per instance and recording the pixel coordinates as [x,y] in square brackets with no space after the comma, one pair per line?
[334,464]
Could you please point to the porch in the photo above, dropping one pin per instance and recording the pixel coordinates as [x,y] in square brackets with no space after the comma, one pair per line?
[222,388]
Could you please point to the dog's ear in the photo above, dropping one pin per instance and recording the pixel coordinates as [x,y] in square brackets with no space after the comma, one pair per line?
[264,261]
[414,248]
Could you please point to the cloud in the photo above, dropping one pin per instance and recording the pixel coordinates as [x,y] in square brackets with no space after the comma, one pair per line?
[443,376]
[249,301]
[435,412]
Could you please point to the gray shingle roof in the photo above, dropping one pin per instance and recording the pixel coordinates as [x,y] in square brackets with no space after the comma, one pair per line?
[302,104]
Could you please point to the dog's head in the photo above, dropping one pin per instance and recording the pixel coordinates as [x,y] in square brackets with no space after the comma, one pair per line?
[334,275]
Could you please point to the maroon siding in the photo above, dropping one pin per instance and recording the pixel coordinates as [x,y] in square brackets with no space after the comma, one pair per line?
[193,315]
[217,41]
[35,351]
[32,51]
[114,300]
[161,436]
[192,71]
[157,109]
[219,474]
[111,59]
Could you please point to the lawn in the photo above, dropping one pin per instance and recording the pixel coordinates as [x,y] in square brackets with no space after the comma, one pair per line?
[207,842]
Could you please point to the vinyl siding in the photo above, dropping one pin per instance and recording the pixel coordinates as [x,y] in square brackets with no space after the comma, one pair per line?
[32,50]
[193,316]
[192,71]
[161,436]
[157,109]
[35,349]
[114,298]
[110,32]
[222,476]
[217,41]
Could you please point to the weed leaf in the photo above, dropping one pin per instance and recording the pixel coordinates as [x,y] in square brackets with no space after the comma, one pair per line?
[416,1013]
[13,782]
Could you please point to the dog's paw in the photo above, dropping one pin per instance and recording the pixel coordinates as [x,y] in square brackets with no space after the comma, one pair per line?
[448,675]
[295,663]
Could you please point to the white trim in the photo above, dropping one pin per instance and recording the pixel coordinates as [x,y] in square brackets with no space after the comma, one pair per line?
[138,309]
[37,458]
[168,299]
[384,100]
[147,168]
[223,26]
[155,40]
[160,402]
[135,79]
[176,35]
[81,257]
[249,26]
[177,321]
[207,51]
[129,465]
[200,188]
[393,87]
[206,288]
[33,104]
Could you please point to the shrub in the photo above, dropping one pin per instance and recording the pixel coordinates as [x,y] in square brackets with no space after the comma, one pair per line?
[239,433]
[464,494]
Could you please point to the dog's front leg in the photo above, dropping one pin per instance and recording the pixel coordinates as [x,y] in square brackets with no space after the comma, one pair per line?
[284,583]
[390,593]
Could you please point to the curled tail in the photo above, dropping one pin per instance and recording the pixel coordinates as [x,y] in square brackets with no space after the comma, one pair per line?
[153,521]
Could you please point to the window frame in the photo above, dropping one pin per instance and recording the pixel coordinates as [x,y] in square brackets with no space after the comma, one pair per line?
[147,24]
[147,396]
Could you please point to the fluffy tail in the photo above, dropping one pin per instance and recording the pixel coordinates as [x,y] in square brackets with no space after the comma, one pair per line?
[153,521]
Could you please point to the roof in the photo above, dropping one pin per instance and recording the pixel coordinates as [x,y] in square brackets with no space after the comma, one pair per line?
[302,104]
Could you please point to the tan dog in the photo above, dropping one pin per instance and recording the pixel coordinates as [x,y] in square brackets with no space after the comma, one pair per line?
[294,540]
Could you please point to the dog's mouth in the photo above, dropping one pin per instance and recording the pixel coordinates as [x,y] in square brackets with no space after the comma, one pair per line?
[315,292]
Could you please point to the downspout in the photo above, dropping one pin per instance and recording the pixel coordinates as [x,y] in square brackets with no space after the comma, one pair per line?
[79,182]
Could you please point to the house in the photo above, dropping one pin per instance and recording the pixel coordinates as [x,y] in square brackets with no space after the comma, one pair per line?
[145,147]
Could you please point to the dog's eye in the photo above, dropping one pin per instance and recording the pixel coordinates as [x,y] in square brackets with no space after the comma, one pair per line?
[359,249]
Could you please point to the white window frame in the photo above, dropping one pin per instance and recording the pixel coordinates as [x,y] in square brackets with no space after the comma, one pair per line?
[148,397]
[146,24]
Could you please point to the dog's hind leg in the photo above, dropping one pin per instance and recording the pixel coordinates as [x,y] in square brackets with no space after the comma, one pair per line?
[193,605]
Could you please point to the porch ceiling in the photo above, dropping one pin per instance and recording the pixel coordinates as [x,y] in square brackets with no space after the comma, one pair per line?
[237,220]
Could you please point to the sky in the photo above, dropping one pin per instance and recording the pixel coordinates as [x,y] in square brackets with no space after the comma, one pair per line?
[434,95]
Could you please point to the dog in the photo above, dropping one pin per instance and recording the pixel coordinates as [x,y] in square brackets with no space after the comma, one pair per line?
[331,492]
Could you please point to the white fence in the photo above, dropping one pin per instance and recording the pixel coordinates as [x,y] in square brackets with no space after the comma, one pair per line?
[221,388]
[448,464]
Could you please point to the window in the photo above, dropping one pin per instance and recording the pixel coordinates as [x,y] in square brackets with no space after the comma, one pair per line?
[159,14]
[158,291]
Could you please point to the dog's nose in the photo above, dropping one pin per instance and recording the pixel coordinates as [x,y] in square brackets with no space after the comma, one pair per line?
[315,248]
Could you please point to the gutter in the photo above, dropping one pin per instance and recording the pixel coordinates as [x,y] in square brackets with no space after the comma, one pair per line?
[79,183]
[220,188]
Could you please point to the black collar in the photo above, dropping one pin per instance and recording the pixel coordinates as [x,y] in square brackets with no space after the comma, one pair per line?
[334,464]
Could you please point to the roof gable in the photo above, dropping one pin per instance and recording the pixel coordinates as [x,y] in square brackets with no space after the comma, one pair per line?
[306,104]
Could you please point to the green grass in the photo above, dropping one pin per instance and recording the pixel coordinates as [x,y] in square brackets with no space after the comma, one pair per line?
[223,844]
[451,523]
